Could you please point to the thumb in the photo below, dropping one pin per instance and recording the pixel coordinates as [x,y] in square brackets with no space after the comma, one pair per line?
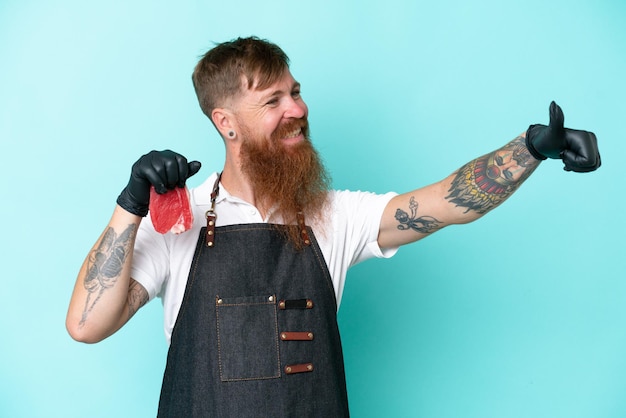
[557,118]
[193,167]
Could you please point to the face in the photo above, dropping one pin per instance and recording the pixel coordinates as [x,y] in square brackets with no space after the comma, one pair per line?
[277,115]
[275,155]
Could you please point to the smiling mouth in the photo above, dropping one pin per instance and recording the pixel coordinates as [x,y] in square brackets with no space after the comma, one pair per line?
[293,134]
[291,131]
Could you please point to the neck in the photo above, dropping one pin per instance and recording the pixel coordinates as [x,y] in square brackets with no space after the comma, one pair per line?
[238,185]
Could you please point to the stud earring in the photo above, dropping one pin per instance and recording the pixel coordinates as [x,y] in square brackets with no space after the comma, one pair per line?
[231,134]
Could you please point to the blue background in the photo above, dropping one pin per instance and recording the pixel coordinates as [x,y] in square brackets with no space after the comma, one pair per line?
[519,314]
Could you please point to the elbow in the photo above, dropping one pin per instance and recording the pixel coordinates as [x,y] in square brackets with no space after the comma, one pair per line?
[81,332]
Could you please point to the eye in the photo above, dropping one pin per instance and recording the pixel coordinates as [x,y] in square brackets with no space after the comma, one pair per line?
[272,102]
[295,94]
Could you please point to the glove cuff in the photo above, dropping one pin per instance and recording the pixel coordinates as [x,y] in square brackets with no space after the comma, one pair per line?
[531,147]
[130,206]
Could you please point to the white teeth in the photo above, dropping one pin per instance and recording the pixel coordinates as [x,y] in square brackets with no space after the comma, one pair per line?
[293,133]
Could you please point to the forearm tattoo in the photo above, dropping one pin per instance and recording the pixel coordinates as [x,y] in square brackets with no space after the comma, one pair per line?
[479,185]
[105,264]
[423,224]
[485,182]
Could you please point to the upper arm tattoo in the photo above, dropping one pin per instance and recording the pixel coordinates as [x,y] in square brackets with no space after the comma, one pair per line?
[423,224]
[137,297]
[105,264]
[485,182]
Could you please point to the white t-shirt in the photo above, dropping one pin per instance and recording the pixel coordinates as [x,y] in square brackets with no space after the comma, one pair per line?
[161,263]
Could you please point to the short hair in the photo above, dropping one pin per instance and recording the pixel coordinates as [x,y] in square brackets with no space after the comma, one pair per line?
[225,69]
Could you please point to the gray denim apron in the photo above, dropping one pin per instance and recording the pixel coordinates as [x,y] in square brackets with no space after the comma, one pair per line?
[256,335]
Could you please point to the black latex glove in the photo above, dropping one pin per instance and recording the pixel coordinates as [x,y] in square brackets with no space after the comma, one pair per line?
[577,149]
[164,170]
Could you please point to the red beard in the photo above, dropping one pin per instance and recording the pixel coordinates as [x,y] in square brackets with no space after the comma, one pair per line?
[286,179]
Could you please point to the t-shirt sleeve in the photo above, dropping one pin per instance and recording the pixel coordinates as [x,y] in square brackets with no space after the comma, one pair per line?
[357,223]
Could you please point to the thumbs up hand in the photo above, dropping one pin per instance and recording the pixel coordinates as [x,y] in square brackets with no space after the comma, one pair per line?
[578,149]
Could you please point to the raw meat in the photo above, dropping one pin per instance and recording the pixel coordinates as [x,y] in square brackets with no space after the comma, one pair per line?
[171,211]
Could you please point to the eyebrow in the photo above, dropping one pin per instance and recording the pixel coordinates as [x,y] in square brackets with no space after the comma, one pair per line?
[279,92]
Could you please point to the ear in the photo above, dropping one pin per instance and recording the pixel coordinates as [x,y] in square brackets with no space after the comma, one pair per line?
[223,120]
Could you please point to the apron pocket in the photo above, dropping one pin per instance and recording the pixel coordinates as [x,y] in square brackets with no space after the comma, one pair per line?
[247,338]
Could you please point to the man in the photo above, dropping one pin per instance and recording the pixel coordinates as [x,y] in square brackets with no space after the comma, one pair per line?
[250,293]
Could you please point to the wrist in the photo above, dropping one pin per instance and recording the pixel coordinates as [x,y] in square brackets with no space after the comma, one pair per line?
[529,142]
[130,205]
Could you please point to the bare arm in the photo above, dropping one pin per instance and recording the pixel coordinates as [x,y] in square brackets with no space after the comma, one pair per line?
[105,297]
[466,195]
[486,182]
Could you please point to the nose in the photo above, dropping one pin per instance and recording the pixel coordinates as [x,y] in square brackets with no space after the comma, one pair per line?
[296,109]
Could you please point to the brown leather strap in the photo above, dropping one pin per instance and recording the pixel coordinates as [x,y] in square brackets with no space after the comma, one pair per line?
[296,336]
[211,216]
[303,232]
[299,368]
[210,228]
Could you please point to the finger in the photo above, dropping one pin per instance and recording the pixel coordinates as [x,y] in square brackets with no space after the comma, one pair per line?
[155,178]
[162,170]
[584,149]
[180,171]
[175,169]
[557,119]
[193,167]
[581,163]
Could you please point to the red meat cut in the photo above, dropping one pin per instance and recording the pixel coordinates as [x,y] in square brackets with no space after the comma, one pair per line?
[171,211]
